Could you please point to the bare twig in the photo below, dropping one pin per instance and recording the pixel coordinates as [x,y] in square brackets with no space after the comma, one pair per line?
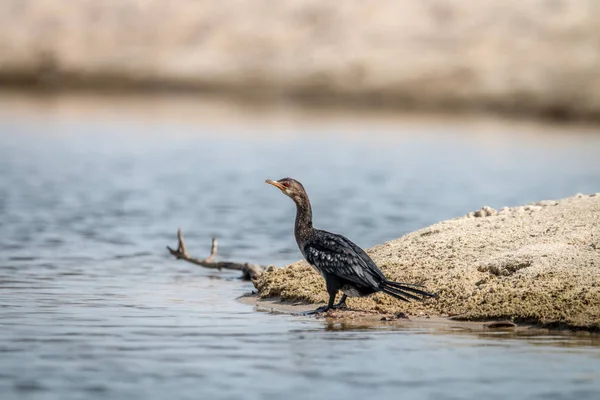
[250,271]
[213,250]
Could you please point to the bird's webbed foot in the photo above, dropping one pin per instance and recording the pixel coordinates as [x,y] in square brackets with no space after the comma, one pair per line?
[317,311]
[341,304]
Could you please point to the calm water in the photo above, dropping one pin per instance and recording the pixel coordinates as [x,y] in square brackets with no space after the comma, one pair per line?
[91,305]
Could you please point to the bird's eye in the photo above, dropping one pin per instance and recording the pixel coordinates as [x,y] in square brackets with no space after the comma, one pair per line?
[286,184]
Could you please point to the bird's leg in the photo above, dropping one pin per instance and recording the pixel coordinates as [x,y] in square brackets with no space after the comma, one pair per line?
[342,303]
[323,308]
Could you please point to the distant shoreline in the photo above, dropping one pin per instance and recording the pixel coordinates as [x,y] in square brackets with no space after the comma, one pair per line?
[535,59]
[309,98]
[225,109]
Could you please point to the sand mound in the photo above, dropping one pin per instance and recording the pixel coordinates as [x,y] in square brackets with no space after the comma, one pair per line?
[537,263]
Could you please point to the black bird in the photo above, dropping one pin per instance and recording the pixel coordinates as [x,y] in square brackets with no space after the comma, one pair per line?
[343,264]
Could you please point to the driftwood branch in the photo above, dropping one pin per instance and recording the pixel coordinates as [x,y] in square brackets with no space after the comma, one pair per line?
[250,271]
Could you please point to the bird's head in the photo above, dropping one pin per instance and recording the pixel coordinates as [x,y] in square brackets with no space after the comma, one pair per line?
[290,187]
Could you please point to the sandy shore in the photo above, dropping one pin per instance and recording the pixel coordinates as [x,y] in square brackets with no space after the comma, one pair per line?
[354,318]
[533,58]
[536,264]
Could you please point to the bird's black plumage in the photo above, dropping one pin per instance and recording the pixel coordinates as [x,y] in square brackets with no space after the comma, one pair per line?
[336,255]
[344,266]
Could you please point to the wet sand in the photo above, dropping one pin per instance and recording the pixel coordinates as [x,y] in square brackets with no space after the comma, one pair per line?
[535,264]
[355,318]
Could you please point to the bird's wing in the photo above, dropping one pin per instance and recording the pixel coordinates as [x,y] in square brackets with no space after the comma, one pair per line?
[337,255]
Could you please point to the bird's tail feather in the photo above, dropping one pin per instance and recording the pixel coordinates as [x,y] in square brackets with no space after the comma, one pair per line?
[398,294]
[404,291]
[406,284]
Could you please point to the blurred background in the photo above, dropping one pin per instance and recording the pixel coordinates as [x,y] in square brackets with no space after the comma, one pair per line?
[537,58]
[122,120]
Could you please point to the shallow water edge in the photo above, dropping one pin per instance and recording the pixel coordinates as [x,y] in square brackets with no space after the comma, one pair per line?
[360,319]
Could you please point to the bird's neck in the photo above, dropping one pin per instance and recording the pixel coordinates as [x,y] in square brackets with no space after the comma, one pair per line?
[303,228]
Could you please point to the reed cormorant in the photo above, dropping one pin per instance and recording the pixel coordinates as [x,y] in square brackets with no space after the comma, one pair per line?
[344,266]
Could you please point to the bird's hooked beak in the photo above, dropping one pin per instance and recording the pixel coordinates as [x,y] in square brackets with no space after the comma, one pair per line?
[277,185]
